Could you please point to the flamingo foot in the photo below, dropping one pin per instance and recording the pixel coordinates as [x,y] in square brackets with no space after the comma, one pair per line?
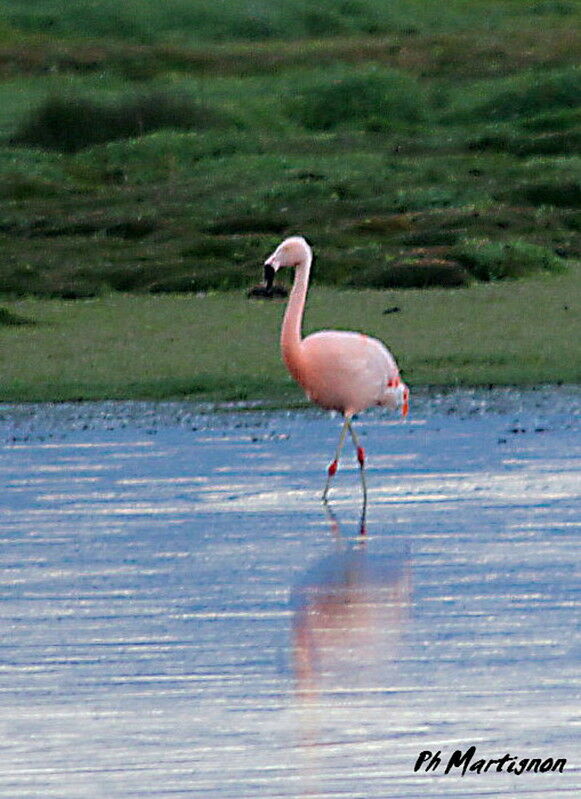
[405,408]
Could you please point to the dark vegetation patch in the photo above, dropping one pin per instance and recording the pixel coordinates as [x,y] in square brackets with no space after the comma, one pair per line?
[566,194]
[562,142]
[10,319]
[431,238]
[412,273]
[18,186]
[97,225]
[383,225]
[70,124]
[201,277]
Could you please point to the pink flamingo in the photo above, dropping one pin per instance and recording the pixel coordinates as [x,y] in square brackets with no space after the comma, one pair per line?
[338,370]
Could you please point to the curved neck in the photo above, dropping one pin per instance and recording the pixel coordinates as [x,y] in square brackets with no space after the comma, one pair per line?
[290,336]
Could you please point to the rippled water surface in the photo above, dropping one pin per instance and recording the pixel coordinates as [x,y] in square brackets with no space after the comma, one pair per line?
[179,617]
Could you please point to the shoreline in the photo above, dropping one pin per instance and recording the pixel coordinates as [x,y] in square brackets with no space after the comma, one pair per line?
[549,402]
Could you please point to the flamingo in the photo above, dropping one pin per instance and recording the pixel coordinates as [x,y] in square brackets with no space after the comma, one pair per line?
[338,370]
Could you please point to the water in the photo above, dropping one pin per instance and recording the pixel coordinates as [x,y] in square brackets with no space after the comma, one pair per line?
[179,617]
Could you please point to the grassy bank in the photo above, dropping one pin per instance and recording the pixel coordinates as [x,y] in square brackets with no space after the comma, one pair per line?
[223,346]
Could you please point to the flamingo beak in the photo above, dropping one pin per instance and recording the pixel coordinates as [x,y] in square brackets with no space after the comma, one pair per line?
[269,272]
[405,407]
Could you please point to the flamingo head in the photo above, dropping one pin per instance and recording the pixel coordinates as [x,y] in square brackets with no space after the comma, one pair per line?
[293,251]
[397,395]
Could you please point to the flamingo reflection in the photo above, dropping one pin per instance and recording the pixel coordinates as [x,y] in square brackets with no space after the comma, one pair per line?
[350,610]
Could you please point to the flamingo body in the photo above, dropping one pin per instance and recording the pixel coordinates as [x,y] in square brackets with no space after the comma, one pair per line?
[347,372]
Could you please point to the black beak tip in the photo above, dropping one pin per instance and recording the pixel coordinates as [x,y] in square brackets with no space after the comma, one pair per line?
[269,273]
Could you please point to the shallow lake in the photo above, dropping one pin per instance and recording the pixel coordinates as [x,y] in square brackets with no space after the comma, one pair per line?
[180,617]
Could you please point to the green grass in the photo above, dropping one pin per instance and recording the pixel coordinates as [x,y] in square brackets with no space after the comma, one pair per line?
[495,261]
[186,21]
[223,346]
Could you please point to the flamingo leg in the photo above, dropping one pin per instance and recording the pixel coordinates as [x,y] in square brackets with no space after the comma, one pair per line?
[361,459]
[335,462]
